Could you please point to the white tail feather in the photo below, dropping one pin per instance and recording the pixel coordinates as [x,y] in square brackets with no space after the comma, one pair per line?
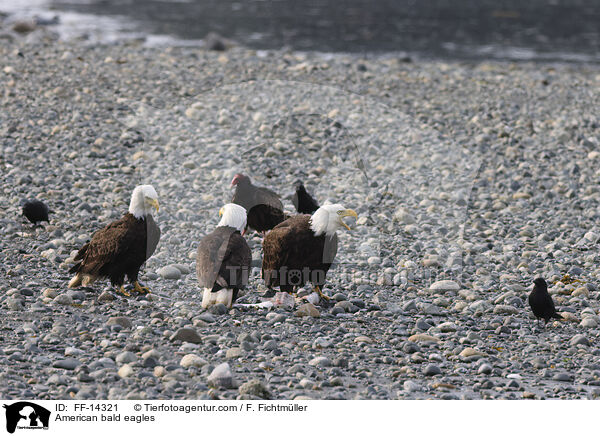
[223,296]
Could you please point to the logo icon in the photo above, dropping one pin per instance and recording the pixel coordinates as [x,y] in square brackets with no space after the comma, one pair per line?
[26,415]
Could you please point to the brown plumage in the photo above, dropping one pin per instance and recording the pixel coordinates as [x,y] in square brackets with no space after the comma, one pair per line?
[223,262]
[293,255]
[265,209]
[116,251]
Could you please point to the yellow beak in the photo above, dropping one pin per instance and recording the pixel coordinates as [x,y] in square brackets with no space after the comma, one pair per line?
[345,213]
[153,202]
[220,212]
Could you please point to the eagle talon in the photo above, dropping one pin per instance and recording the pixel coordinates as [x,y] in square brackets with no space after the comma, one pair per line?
[123,291]
[321,294]
[140,289]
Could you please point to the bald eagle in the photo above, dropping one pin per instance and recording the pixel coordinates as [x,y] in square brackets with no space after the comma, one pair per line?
[224,258]
[302,200]
[264,207]
[302,248]
[122,247]
[36,211]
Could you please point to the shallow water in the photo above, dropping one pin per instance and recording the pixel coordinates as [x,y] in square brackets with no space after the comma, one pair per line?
[467,29]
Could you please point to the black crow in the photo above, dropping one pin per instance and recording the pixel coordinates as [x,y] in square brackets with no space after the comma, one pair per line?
[541,302]
[35,211]
[302,200]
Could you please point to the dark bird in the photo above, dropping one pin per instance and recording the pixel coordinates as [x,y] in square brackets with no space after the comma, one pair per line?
[122,247]
[36,211]
[264,207]
[303,202]
[302,248]
[541,302]
[224,258]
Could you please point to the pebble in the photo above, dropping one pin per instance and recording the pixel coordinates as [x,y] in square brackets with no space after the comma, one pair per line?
[125,371]
[485,369]
[169,272]
[123,321]
[221,377]
[255,388]
[411,386]
[307,309]
[444,285]
[579,339]
[126,357]
[431,370]
[194,360]
[68,363]
[321,362]
[186,334]
[63,299]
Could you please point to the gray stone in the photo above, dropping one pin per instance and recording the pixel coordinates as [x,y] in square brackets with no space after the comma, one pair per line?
[579,340]
[431,370]
[123,321]
[186,334]
[126,357]
[221,376]
[255,388]
[321,361]
[68,363]
[169,272]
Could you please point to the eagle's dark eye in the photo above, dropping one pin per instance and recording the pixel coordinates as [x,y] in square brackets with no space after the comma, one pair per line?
[339,212]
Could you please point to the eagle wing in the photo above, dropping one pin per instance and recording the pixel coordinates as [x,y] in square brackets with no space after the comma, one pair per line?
[107,245]
[223,258]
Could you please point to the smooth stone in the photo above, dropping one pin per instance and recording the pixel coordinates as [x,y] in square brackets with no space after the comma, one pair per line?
[66,363]
[221,376]
[579,340]
[123,321]
[307,309]
[469,352]
[169,272]
[321,361]
[421,337]
[194,360]
[563,377]
[431,370]
[233,353]
[106,296]
[255,388]
[63,299]
[126,357]
[485,369]
[125,371]
[218,309]
[411,386]
[186,334]
[589,322]
[444,285]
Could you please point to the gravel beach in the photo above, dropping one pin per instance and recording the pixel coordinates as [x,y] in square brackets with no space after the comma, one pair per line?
[469,179]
